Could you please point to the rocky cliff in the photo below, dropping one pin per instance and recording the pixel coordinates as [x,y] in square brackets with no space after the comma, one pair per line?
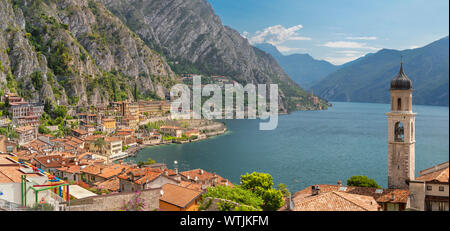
[193,38]
[91,52]
[75,52]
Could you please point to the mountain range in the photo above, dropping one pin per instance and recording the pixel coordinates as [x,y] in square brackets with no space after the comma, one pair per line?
[367,78]
[302,68]
[92,52]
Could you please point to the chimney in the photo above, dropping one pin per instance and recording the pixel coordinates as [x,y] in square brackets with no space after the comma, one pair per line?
[339,183]
[201,172]
[290,203]
[315,190]
[166,172]
[176,171]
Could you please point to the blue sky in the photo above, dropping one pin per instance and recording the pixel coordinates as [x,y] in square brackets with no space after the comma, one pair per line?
[337,30]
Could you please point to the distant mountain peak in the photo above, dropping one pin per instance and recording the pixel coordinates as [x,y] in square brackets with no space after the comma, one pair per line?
[302,68]
[367,78]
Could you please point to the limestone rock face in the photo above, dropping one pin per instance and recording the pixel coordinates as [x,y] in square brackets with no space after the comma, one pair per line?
[190,31]
[89,52]
[75,52]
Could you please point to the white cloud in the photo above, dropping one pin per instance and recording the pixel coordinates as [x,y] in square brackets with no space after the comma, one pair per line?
[341,60]
[284,49]
[351,45]
[362,38]
[276,35]
[414,47]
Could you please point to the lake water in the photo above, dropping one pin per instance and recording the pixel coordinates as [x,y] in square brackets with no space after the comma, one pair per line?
[311,147]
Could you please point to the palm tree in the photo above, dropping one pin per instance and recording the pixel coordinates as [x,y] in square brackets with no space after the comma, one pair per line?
[100,143]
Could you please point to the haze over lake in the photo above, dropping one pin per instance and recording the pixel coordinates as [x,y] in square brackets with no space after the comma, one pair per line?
[311,147]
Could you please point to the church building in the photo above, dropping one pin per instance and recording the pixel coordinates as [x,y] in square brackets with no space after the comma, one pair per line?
[401,138]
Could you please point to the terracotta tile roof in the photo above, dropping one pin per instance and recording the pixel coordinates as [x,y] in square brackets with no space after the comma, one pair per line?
[112,184]
[113,170]
[178,196]
[53,161]
[93,138]
[137,173]
[199,173]
[203,175]
[148,177]
[12,174]
[70,169]
[24,129]
[191,185]
[122,133]
[112,139]
[74,139]
[80,131]
[380,195]
[126,130]
[336,201]
[105,171]
[438,175]
[5,159]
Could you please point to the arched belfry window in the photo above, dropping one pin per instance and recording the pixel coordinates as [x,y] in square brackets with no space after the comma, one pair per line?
[399,132]
[399,104]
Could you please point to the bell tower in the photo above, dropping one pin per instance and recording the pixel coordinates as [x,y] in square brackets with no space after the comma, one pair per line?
[401,135]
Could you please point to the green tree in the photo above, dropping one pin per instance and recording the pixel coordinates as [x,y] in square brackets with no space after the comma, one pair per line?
[43,129]
[257,182]
[273,200]
[100,143]
[362,181]
[262,185]
[236,194]
[284,190]
[147,162]
[48,106]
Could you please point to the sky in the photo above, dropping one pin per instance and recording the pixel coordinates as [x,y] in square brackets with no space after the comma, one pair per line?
[337,31]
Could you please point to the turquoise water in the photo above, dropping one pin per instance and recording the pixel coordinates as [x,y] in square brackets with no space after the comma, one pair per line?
[311,147]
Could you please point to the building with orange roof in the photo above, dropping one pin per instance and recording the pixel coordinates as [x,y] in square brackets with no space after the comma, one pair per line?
[6,145]
[192,132]
[430,190]
[100,173]
[90,129]
[178,198]
[109,125]
[174,131]
[11,173]
[51,163]
[112,185]
[204,178]
[80,133]
[127,136]
[145,178]
[25,114]
[128,122]
[26,134]
[336,201]
[387,199]
[69,173]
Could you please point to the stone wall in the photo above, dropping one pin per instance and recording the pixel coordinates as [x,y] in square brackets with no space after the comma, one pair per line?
[114,202]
